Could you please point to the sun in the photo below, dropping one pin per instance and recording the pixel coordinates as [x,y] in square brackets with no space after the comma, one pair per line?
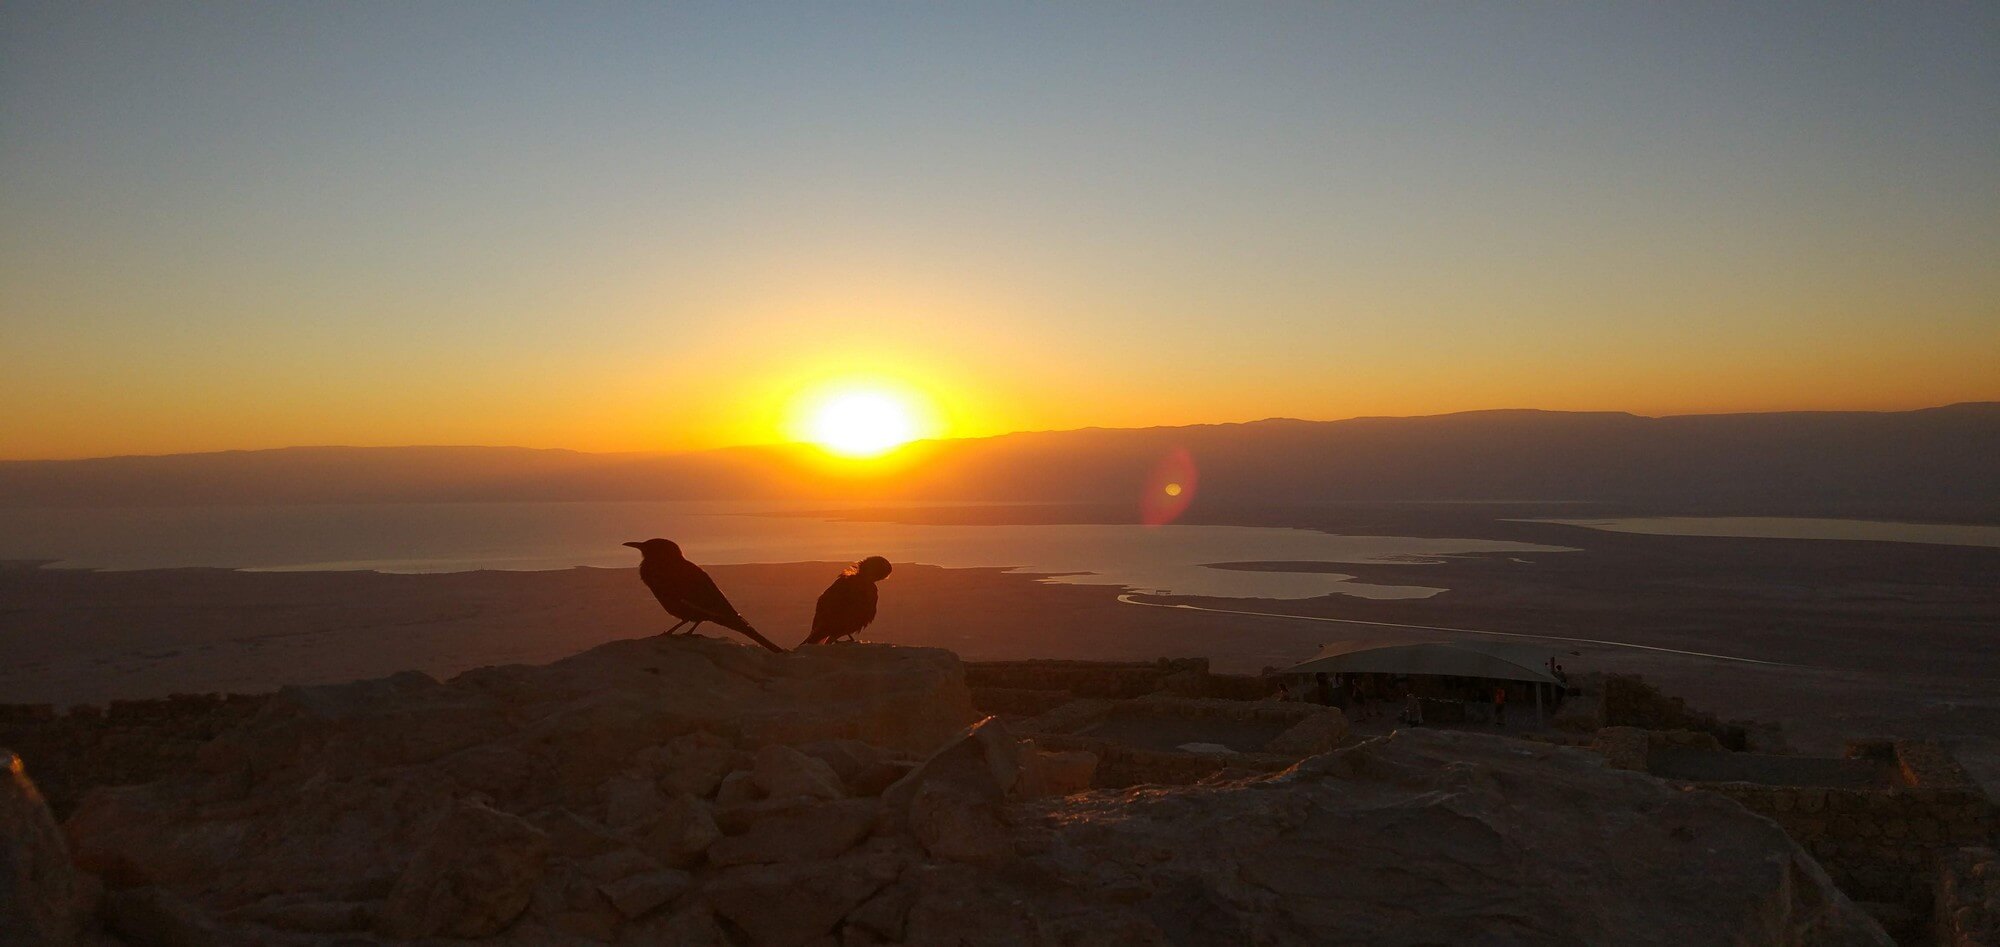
[862,423]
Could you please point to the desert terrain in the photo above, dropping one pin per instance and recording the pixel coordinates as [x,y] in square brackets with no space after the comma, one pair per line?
[1831,640]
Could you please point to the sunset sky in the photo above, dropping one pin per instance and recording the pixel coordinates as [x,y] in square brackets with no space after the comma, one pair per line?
[676,226]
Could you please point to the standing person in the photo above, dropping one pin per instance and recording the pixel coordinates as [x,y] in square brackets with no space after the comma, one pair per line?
[1500,706]
[1322,690]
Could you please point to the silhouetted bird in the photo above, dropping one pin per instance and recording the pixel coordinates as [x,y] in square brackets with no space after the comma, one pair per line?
[687,593]
[848,605]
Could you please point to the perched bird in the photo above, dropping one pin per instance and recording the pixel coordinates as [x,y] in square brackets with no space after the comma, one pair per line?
[848,605]
[687,593]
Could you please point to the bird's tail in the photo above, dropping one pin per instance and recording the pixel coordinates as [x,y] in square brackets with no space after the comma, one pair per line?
[736,623]
[743,628]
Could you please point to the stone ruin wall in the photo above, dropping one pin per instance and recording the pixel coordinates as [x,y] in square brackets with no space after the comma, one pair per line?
[1966,912]
[1631,748]
[1877,844]
[1903,845]
[1913,846]
[1628,701]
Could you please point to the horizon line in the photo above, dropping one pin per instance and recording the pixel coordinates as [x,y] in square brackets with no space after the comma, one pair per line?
[769,445]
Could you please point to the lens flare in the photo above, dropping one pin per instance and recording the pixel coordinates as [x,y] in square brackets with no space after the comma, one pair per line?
[1169,489]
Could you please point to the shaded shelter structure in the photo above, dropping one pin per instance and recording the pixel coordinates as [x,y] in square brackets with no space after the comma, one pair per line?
[1446,675]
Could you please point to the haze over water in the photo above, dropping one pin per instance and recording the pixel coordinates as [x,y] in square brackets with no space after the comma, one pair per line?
[529,536]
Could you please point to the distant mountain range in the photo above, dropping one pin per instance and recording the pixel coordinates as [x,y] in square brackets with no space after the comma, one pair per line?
[1932,462]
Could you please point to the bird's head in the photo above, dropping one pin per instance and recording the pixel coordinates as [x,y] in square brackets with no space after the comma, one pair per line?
[665,548]
[873,568]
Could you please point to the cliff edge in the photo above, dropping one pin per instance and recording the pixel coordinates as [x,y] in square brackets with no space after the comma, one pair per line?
[691,791]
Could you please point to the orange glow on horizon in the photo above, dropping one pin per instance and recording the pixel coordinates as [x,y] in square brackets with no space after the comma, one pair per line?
[863,419]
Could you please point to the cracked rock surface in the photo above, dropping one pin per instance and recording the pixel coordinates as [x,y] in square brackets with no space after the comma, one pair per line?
[692,791]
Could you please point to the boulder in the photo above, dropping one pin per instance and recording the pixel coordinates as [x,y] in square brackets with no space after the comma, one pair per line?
[796,829]
[149,914]
[1316,734]
[737,788]
[794,903]
[307,915]
[471,878]
[631,800]
[1500,841]
[614,865]
[782,772]
[43,898]
[693,763]
[573,836]
[984,761]
[572,803]
[638,894]
[682,833]
[865,769]
[956,823]
[1047,773]
[331,789]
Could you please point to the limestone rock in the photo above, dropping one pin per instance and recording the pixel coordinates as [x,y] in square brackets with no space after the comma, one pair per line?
[1500,841]
[693,763]
[984,761]
[631,800]
[956,823]
[150,914]
[614,865]
[572,804]
[682,833]
[43,899]
[955,904]
[1046,773]
[307,915]
[797,830]
[793,903]
[636,895]
[573,836]
[737,788]
[329,790]
[473,877]
[1315,734]
[865,769]
[783,772]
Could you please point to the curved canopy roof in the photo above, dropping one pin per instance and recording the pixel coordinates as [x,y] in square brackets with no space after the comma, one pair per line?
[1493,661]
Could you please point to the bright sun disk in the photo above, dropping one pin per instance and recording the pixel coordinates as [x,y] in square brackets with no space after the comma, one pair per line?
[862,424]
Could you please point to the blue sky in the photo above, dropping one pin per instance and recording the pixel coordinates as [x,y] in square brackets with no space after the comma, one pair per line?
[648,225]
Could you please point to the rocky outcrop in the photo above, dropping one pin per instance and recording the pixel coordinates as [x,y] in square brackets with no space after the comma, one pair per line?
[690,791]
[1427,837]
[44,900]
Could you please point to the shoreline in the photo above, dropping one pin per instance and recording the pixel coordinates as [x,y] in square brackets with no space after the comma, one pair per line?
[80,636]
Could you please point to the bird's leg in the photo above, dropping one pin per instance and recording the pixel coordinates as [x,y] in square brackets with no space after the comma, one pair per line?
[697,624]
[670,632]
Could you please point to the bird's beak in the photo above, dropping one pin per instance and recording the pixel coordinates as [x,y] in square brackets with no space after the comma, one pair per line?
[633,545]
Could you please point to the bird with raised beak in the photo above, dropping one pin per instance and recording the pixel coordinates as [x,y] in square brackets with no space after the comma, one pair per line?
[687,593]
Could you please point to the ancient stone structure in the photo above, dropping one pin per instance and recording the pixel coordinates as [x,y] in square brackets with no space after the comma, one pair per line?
[1967,910]
[1883,820]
